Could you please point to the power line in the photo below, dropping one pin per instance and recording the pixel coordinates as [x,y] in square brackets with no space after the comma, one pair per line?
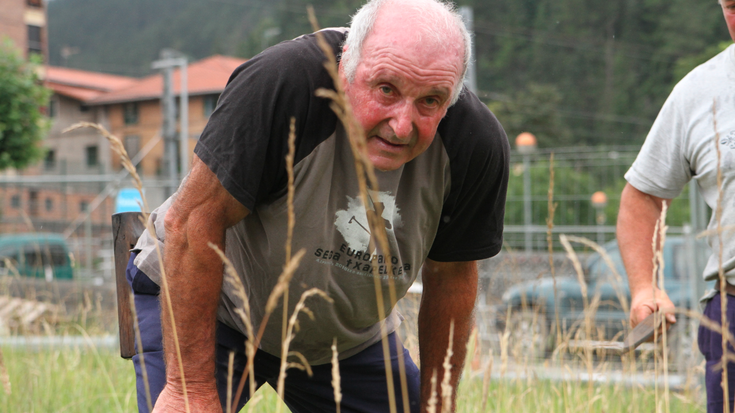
[575,42]
[571,113]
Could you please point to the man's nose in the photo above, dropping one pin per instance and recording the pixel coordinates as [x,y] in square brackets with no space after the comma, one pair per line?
[402,121]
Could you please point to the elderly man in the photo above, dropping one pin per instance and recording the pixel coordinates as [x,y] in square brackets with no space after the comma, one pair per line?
[442,167]
[679,147]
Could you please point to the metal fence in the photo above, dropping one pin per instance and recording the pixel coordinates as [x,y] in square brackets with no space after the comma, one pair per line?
[578,174]
[79,206]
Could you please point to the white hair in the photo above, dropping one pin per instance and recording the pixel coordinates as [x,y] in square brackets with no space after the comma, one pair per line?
[446,20]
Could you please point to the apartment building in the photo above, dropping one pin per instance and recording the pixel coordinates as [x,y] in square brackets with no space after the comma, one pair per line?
[130,109]
[24,23]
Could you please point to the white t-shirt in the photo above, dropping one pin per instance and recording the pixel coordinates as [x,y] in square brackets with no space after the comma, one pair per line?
[681,146]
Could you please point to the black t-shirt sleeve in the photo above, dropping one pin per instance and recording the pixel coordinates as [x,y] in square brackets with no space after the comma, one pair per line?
[245,140]
[471,226]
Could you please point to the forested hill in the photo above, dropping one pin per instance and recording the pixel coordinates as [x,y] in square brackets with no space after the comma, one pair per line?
[570,71]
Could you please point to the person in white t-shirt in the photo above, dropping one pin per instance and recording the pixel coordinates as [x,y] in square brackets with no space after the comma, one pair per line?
[699,114]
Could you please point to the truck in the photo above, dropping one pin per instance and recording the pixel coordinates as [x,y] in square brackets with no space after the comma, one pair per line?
[530,308]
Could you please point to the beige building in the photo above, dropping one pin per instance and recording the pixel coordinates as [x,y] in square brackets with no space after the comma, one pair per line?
[51,206]
[135,116]
[80,164]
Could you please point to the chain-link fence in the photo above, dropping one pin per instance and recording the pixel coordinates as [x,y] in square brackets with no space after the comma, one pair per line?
[578,174]
[79,206]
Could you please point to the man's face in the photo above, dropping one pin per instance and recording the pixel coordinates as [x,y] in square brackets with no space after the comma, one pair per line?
[401,91]
[728,9]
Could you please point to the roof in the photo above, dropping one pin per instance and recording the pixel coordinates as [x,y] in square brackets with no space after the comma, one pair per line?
[205,76]
[81,84]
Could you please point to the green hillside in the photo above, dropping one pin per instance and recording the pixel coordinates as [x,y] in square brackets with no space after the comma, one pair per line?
[571,71]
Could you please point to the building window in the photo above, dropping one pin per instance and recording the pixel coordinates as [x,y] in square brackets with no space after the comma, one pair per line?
[210,103]
[50,161]
[49,204]
[52,108]
[34,3]
[83,206]
[15,201]
[33,203]
[132,145]
[130,113]
[92,160]
[34,39]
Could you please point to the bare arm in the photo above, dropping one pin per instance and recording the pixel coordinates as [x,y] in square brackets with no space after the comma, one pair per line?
[450,289]
[201,213]
[636,226]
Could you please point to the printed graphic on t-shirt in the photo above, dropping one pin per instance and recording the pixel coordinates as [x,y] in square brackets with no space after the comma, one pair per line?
[352,223]
[361,251]
[729,140]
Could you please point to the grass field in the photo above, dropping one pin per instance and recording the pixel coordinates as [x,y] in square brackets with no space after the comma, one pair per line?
[78,380]
[98,380]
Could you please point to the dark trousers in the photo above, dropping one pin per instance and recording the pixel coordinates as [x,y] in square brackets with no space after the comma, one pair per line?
[710,344]
[363,380]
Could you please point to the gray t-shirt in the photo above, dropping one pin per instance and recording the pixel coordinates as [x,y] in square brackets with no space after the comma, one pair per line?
[681,146]
[447,204]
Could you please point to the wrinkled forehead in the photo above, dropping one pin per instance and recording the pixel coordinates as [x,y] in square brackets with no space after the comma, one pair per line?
[408,32]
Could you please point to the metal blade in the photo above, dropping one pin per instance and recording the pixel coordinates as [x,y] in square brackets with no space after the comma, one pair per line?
[641,333]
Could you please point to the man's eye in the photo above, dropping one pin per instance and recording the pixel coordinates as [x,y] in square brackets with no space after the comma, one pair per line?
[432,102]
[386,90]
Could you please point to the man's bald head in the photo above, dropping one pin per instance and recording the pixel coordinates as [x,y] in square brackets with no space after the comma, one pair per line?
[430,21]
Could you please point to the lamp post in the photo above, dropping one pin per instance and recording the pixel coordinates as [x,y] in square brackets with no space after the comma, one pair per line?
[599,202]
[526,146]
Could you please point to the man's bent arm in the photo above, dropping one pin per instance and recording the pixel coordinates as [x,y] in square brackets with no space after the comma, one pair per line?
[450,289]
[200,214]
[636,226]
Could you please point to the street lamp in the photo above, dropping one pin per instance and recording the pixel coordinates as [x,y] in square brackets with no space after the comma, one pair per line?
[526,146]
[599,202]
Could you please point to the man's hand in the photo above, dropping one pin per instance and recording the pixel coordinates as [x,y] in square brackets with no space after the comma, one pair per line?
[173,401]
[646,302]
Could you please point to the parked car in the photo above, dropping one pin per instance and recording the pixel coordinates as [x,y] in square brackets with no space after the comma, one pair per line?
[532,304]
[39,255]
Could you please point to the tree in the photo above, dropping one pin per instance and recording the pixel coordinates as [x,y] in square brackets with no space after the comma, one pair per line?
[687,63]
[22,97]
[573,187]
[534,109]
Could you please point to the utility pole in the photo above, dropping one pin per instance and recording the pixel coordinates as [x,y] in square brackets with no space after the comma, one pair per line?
[169,60]
[471,78]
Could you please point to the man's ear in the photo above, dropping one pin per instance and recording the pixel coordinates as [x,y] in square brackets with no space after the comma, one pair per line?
[340,64]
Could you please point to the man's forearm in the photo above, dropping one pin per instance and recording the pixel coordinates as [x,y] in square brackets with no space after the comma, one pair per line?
[194,278]
[635,232]
[201,213]
[449,296]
